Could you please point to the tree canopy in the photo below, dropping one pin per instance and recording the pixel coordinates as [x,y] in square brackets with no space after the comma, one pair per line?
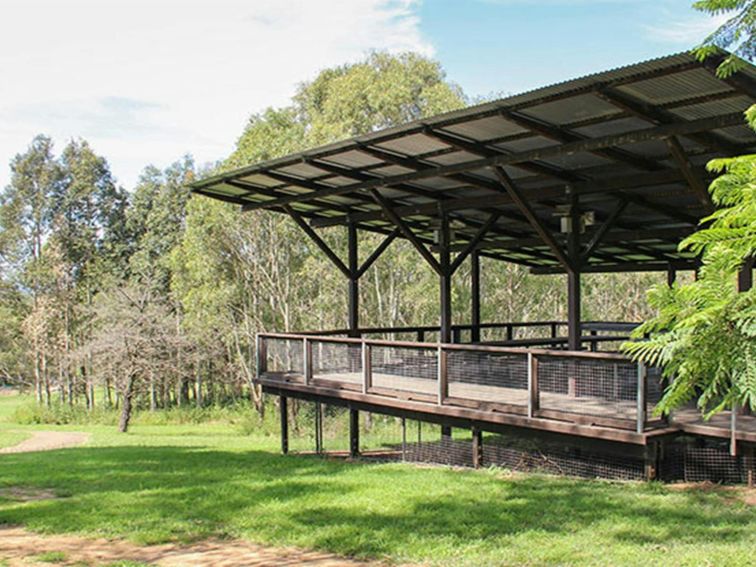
[704,335]
[737,34]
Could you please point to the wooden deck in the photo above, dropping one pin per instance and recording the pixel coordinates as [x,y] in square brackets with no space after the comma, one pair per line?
[595,395]
[428,390]
[588,416]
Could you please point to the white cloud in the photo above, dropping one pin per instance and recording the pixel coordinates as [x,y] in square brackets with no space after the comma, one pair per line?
[687,32]
[146,81]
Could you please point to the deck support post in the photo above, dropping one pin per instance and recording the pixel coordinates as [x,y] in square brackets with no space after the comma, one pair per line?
[404,439]
[283,406]
[446,432]
[650,468]
[354,433]
[477,447]
[749,465]
[318,428]
[475,297]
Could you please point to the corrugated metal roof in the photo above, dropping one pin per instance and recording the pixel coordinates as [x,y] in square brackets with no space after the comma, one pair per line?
[603,135]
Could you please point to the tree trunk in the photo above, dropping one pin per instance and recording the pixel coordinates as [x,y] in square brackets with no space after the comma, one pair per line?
[123,424]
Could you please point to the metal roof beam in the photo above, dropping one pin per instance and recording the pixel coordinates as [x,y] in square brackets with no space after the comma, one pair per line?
[564,135]
[406,231]
[319,242]
[695,182]
[528,212]
[654,133]
[659,116]
[623,267]
[533,194]
[598,237]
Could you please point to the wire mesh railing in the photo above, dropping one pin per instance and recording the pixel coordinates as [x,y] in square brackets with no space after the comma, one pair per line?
[597,335]
[608,388]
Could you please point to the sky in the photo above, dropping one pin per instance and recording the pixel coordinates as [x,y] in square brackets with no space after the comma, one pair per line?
[147,81]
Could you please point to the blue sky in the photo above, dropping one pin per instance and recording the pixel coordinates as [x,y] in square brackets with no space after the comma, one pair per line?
[507,46]
[146,81]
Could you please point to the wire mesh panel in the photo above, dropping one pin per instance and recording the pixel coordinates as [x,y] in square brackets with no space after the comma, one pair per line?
[534,456]
[599,387]
[413,369]
[301,418]
[654,388]
[713,463]
[488,376]
[284,358]
[337,361]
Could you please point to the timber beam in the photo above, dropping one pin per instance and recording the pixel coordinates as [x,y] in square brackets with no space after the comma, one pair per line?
[535,222]
[406,231]
[319,242]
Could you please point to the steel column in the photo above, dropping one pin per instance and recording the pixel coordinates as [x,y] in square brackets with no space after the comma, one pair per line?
[445,279]
[745,275]
[475,297]
[354,282]
[573,277]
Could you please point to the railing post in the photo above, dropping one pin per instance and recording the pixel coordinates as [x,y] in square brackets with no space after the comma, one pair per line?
[510,332]
[641,398]
[534,399]
[456,335]
[421,336]
[367,368]
[553,330]
[261,356]
[307,360]
[734,429]
[443,384]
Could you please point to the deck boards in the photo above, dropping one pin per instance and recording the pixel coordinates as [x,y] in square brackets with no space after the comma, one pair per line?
[483,396]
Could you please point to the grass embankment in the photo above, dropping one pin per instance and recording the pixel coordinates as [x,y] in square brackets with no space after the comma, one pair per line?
[187,482]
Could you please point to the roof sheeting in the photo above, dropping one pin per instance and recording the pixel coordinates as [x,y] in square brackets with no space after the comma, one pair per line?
[639,135]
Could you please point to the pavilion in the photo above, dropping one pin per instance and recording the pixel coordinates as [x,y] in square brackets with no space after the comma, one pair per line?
[604,173]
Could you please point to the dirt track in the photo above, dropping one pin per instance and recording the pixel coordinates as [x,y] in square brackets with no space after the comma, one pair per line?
[19,547]
[48,441]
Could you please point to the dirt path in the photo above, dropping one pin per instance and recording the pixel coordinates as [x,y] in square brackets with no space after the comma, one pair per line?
[21,548]
[47,441]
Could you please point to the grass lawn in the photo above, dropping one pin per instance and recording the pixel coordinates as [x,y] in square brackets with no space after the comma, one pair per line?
[186,482]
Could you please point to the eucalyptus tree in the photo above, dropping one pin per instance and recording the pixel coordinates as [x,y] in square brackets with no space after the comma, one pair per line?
[26,215]
[737,33]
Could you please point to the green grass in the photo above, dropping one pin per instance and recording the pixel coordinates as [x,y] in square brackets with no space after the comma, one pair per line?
[9,438]
[52,557]
[187,482]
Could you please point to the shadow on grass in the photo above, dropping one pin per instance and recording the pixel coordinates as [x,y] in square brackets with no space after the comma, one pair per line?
[154,494]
